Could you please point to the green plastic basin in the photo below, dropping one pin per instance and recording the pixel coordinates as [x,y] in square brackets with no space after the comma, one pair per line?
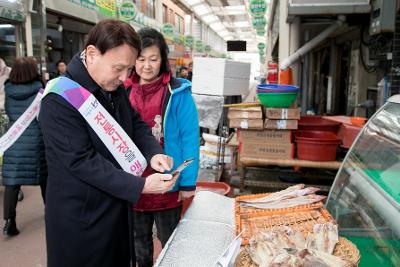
[277,100]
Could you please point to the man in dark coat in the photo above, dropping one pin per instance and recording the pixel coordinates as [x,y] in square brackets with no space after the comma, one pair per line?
[88,193]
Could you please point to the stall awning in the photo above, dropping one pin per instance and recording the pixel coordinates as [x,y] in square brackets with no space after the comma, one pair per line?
[12,10]
[313,7]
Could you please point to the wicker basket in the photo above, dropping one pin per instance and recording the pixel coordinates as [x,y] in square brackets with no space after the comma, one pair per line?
[343,249]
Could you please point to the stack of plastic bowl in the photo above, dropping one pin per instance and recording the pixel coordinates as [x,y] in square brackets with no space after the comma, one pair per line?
[277,95]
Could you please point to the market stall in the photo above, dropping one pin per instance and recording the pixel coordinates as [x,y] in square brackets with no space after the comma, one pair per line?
[359,225]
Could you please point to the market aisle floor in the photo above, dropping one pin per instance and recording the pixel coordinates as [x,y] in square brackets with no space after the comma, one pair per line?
[28,249]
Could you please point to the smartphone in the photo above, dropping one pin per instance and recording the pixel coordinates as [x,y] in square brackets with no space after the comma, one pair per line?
[182,167]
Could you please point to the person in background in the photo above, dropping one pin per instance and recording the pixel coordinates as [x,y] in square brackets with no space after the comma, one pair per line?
[24,162]
[166,105]
[61,68]
[89,197]
[190,71]
[4,73]
[183,72]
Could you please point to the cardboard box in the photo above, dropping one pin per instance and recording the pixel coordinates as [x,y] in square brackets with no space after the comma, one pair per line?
[218,76]
[283,113]
[246,123]
[281,124]
[245,113]
[267,150]
[265,136]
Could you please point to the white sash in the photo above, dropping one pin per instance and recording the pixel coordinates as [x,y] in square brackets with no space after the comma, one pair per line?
[103,124]
[15,131]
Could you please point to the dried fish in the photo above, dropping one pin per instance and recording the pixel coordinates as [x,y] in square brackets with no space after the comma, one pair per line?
[286,203]
[324,237]
[282,246]
[275,196]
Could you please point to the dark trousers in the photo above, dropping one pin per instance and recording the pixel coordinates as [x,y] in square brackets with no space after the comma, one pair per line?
[165,220]
[11,199]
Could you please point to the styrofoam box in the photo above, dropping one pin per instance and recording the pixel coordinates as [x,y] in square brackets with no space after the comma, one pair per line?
[218,76]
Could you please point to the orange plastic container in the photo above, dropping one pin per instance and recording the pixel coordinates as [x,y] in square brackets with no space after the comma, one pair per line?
[316,145]
[216,187]
[358,121]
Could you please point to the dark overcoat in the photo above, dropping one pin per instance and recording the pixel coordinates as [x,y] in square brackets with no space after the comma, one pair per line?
[24,162]
[88,194]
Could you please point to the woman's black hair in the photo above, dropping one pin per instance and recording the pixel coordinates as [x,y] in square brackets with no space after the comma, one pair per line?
[150,37]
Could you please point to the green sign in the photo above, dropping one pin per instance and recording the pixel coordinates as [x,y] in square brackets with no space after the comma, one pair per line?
[177,39]
[261,46]
[11,14]
[260,32]
[91,4]
[258,8]
[189,41]
[259,22]
[262,59]
[207,48]
[127,11]
[107,7]
[199,45]
[261,52]
[168,29]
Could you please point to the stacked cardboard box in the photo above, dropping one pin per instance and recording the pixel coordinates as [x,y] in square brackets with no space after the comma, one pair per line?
[282,118]
[218,76]
[246,118]
[271,144]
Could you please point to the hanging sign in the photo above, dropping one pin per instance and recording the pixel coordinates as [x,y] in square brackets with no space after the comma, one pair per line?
[189,41]
[258,8]
[199,45]
[168,29]
[261,46]
[260,32]
[127,11]
[107,7]
[259,22]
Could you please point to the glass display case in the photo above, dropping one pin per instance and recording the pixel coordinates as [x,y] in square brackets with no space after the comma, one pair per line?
[365,196]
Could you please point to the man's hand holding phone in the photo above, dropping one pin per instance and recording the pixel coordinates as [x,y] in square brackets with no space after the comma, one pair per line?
[177,171]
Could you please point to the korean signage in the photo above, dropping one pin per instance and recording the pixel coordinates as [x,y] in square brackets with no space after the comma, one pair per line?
[199,45]
[11,14]
[107,7]
[127,11]
[259,22]
[258,8]
[189,41]
[168,29]
[261,46]
[260,32]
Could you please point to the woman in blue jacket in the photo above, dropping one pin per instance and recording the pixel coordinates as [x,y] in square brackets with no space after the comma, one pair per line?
[24,162]
[166,105]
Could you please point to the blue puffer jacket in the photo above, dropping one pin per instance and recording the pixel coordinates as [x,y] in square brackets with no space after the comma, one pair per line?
[24,162]
[181,132]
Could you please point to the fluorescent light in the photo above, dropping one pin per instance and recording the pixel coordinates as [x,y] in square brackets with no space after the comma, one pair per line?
[217,26]
[209,18]
[4,26]
[241,24]
[201,10]
[193,2]
[224,33]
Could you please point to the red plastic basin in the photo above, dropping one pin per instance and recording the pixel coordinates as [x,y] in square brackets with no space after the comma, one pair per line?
[317,123]
[216,187]
[316,145]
